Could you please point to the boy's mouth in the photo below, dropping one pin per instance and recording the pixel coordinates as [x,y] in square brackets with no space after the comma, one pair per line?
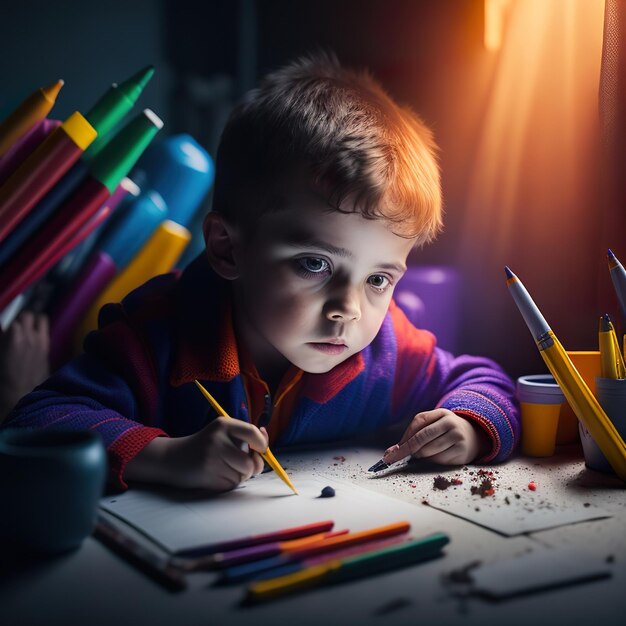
[331,346]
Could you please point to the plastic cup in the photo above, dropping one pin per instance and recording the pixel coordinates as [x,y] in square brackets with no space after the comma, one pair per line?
[587,362]
[540,402]
[611,395]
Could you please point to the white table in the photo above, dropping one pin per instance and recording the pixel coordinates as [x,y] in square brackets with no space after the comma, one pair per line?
[93,586]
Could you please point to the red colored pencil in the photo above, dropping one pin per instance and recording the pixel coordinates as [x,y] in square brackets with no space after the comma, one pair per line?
[45,261]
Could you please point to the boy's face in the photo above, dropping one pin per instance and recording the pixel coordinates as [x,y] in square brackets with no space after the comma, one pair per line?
[314,285]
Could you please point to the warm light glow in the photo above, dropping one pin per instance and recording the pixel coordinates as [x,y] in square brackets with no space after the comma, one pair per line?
[495,17]
[531,191]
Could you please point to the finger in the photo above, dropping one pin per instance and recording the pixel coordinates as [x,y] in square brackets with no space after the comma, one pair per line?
[42,326]
[437,446]
[225,479]
[452,456]
[258,463]
[239,461]
[26,320]
[246,432]
[421,420]
[265,434]
[411,446]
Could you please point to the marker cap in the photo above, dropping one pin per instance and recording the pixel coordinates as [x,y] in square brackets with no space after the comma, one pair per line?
[80,131]
[122,152]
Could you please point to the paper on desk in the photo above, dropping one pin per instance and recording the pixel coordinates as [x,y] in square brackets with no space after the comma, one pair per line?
[536,571]
[178,521]
[515,516]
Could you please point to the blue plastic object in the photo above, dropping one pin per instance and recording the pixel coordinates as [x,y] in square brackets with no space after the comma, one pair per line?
[133,228]
[181,170]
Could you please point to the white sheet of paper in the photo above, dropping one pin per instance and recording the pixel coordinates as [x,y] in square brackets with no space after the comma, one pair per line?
[519,516]
[177,521]
[512,510]
[538,570]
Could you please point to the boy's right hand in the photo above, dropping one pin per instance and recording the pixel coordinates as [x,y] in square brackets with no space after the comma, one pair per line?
[210,459]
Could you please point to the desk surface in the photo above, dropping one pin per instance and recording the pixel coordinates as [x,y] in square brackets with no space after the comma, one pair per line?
[94,586]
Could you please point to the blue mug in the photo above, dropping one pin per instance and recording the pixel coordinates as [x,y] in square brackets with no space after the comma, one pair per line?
[50,485]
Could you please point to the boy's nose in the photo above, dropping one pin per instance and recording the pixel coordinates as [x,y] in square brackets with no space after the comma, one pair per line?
[345,309]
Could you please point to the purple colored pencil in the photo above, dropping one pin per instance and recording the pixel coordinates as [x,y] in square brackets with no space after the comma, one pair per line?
[254,540]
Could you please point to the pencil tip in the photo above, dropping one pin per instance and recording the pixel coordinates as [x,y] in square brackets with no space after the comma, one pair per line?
[379,465]
[610,254]
[508,272]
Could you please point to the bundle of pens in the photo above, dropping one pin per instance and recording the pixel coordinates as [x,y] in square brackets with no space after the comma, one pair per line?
[578,395]
[287,560]
[60,183]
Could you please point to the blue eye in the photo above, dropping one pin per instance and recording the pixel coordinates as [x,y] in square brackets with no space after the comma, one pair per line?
[313,265]
[379,282]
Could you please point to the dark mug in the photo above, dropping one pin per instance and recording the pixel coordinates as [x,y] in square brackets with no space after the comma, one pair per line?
[50,485]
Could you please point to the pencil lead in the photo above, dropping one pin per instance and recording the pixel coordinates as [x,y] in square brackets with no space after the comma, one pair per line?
[508,272]
[378,466]
[610,254]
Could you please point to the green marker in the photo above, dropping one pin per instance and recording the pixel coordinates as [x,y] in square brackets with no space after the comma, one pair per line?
[111,108]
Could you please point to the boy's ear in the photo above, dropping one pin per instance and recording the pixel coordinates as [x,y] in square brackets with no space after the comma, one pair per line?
[221,243]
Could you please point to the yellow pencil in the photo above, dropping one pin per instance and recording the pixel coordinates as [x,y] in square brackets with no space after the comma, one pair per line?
[606,345]
[578,395]
[269,458]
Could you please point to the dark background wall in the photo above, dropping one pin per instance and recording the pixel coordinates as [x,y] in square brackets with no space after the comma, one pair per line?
[427,53]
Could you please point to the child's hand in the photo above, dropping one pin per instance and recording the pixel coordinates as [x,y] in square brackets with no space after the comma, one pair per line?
[440,436]
[210,459]
[24,353]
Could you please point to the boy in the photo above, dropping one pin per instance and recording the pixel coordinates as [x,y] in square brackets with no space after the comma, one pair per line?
[323,186]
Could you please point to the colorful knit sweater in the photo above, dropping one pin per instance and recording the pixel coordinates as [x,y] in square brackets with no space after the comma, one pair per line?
[134,381]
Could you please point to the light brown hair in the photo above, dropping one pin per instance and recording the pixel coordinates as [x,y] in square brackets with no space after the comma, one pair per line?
[359,148]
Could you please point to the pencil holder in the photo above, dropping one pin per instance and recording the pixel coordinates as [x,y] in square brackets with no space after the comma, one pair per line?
[611,395]
[50,485]
[540,403]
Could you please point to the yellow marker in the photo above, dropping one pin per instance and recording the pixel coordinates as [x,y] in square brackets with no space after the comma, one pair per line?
[28,113]
[578,395]
[270,459]
[158,255]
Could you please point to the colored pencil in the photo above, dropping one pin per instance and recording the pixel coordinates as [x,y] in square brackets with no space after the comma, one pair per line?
[159,568]
[269,458]
[32,110]
[222,560]
[51,256]
[42,169]
[111,108]
[284,534]
[611,361]
[296,566]
[105,174]
[351,568]
[249,571]
[578,395]
[618,277]
[25,146]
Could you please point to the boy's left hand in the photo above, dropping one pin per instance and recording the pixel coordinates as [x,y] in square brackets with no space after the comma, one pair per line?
[442,437]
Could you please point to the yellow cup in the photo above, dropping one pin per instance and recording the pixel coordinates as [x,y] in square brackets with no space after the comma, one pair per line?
[587,362]
[540,402]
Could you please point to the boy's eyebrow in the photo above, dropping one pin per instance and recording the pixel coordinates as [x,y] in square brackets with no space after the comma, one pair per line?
[312,242]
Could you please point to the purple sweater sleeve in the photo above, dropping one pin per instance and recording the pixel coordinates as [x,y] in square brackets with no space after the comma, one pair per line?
[106,390]
[474,387]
